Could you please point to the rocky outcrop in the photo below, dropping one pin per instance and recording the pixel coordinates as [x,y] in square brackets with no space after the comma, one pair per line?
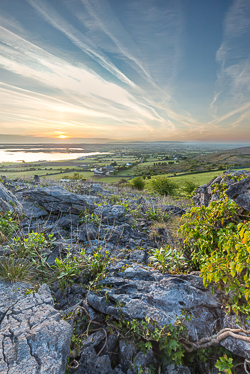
[138,291]
[205,194]
[8,201]
[58,200]
[33,338]
[145,292]
[240,193]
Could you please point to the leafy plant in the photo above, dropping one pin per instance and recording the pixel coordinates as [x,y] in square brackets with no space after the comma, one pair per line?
[164,185]
[138,183]
[146,332]
[167,259]
[225,364]
[8,225]
[90,218]
[189,187]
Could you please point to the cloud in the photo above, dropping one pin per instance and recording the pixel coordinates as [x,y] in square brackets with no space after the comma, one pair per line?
[232,95]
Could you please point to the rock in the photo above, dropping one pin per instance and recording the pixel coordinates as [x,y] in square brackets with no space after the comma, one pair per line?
[87,231]
[127,351]
[205,194]
[175,369]
[69,221]
[90,362]
[58,200]
[110,214]
[36,179]
[240,193]
[33,337]
[238,347]
[32,211]
[57,248]
[145,292]
[8,201]
[144,360]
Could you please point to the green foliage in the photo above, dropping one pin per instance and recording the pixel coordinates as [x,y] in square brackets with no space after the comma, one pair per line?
[189,187]
[204,225]
[146,332]
[77,176]
[166,259]
[220,247]
[31,246]
[138,183]
[156,214]
[225,364]
[90,218]
[164,185]
[8,225]
[93,266]
[15,270]
[229,267]
[114,199]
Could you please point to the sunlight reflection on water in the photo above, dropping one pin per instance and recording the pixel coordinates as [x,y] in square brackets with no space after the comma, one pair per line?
[7,155]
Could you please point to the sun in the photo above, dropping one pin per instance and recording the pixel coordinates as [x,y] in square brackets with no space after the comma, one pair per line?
[62,136]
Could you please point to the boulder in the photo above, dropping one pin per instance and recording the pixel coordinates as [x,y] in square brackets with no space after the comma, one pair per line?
[240,193]
[110,214]
[138,291]
[205,194]
[58,200]
[33,338]
[175,369]
[8,201]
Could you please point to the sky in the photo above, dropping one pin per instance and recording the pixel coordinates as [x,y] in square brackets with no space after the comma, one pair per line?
[127,70]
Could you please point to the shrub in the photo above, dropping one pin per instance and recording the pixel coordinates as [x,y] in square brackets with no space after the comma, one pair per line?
[220,247]
[8,225]
[138,183]
[167,259]
[189,187]
[164,186]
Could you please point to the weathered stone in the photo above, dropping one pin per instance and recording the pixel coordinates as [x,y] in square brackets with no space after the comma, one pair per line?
[58,200]
[240,193]
[175,369]
[110,214]
[205,194]
[87,231]
[33,338]
[145,292]
[32,211]
[8,201]
[90,362]
[127,351]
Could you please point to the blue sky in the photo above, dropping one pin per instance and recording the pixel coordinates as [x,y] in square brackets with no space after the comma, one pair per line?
[126,69]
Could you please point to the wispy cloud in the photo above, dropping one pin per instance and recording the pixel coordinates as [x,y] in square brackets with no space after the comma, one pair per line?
[232,97]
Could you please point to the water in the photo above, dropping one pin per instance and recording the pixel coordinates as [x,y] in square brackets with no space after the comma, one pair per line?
[8,155]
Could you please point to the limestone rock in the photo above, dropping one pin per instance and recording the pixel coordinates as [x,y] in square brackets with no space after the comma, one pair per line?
[8,201]
[175,369]
[240,193]
[33,338]
[58,200]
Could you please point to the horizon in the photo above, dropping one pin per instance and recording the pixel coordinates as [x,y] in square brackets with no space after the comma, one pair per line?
[118,71]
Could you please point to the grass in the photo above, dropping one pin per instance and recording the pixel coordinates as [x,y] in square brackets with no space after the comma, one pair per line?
[14,270]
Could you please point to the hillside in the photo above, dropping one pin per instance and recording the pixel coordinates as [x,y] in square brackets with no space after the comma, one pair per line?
[95,279]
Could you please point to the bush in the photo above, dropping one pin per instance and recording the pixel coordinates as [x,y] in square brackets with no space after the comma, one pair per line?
[138,183]
[8,226]
[189,187]
[219,244]
[164,186]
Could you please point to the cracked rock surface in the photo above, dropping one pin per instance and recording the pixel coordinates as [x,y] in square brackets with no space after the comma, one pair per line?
[33,338]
